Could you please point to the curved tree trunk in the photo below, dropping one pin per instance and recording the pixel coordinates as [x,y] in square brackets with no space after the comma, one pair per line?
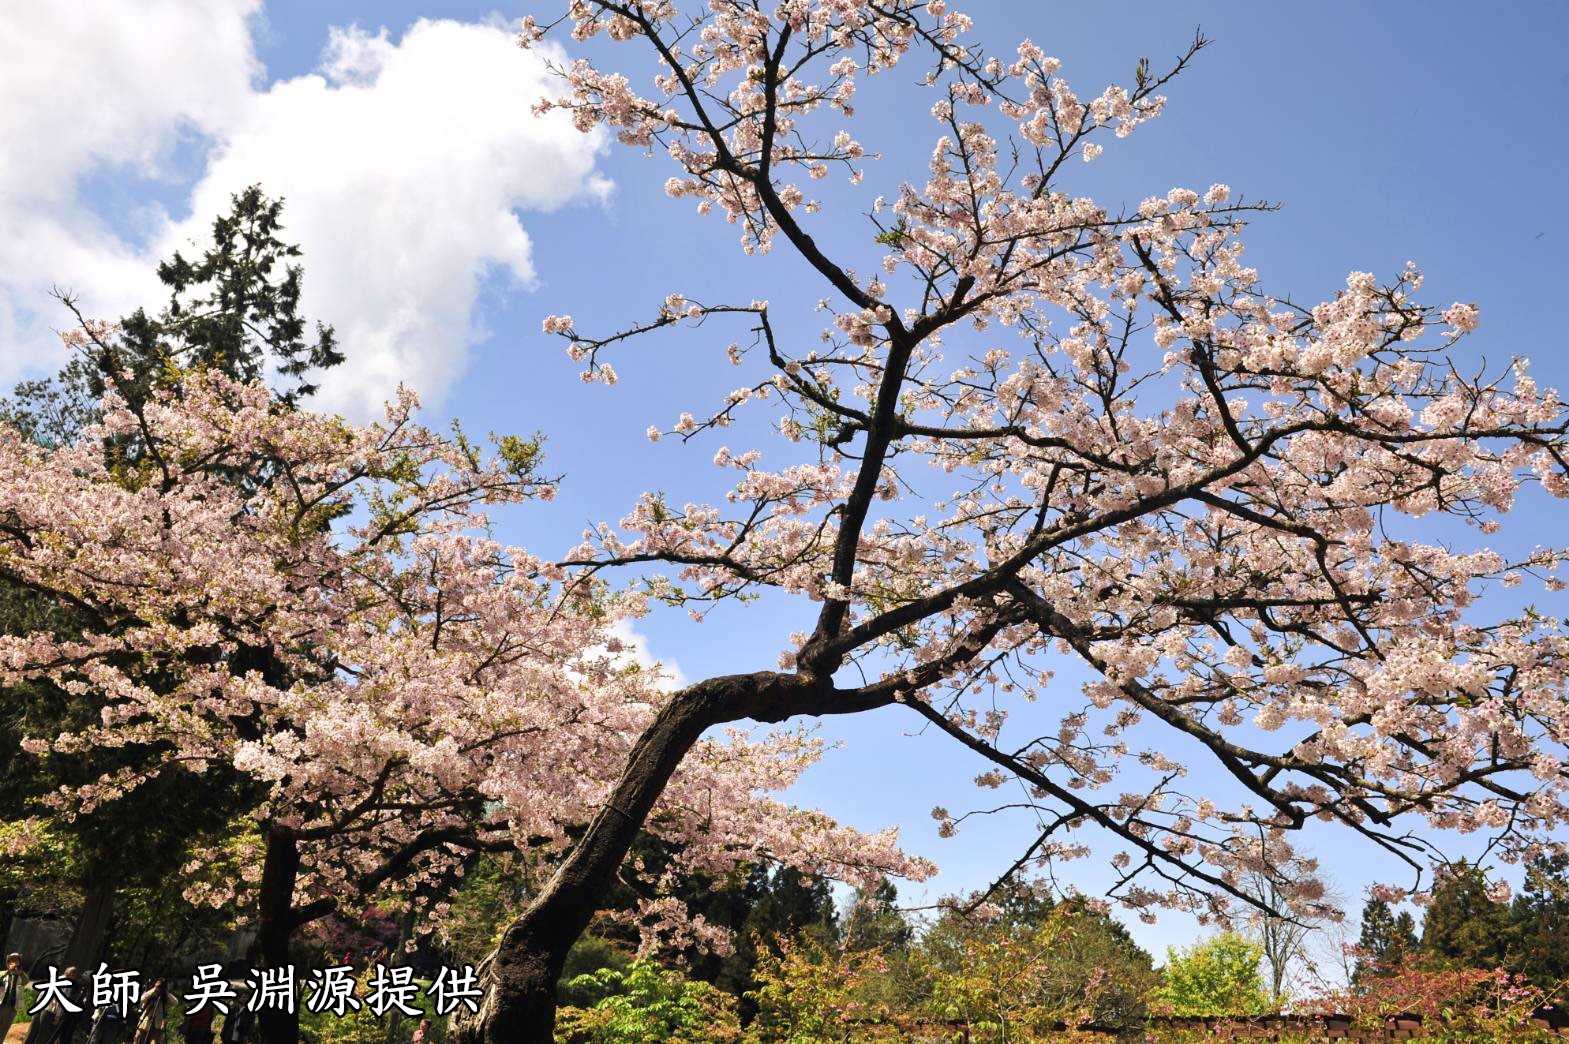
[520,976]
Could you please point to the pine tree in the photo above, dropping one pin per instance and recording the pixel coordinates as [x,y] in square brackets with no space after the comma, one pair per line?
[1541,922]
[1464,928]
[234,309]
[1387,942]
[873,923]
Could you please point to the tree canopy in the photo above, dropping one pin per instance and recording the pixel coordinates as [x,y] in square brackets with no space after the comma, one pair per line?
[1037,425]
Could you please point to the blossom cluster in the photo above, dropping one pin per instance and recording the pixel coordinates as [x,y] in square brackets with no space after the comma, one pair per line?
[1045,427]
[347,634]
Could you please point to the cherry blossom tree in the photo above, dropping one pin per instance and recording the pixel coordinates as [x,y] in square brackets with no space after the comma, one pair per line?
[400,689]
[233,307]
[1040,427]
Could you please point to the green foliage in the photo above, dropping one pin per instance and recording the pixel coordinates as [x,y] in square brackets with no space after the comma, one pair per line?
[1464,928]
[1081,964]
[760,904]
[362,1027]
[812,991]
[766,907]
[986,974]
[1218,976]
[1098,969]
[648,1005]
[521,456]
[581,986]
[1540,916]
[28,998]
[874,924]
[52,411]
[894,237]
[490,896]
[1387,941]
[158,931]
[1013,975]
[235,308]
[41,866]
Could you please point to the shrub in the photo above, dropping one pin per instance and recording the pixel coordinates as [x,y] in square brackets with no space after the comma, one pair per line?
[647,1004]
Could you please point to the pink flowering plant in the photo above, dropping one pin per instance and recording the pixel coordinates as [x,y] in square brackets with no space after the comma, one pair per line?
[320,608]
[1038,425]
[1452,1003]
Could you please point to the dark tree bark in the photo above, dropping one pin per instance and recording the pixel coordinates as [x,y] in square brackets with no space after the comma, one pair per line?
[520,975]
[520,994]
[275,925]
[92,926]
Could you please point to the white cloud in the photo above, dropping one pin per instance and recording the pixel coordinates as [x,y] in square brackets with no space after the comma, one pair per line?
[85,86]
[634,646]
[403,164]
[111,82]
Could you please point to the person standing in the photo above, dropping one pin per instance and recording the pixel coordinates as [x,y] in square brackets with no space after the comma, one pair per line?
[152,1015]
[108,1024]
[13,987]
[197,1027]
[69,1020]
[237,1025]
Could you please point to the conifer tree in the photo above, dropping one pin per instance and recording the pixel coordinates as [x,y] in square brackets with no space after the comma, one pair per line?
[1464,927]
[1541,922]
[1388,940]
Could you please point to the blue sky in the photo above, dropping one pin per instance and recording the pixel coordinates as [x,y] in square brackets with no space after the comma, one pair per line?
[446,231]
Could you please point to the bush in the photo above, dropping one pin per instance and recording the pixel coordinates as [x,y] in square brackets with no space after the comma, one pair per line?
[814,991]
[1015,976]
[648,1005]
[1456,1004]
[1219,976]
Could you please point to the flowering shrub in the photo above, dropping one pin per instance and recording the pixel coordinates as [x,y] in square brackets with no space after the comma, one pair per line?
[1459,1004]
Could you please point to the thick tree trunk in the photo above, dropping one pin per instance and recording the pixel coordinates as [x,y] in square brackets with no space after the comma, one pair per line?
[86,947]
[520,975]
[275,925]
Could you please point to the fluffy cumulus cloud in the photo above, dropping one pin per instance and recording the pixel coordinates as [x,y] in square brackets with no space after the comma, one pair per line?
[86,86]
[404,163]
[634,648]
